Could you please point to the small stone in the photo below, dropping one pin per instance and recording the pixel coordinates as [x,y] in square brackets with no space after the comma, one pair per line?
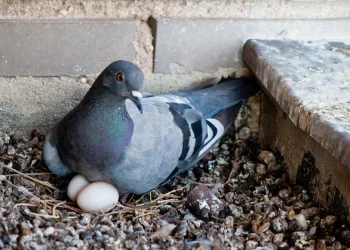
[244,133]
[261,169]
[296,236]
[260,226]
[284,193]
[163,231]
[155,247]
[129,244]
[24,229]
[4,138]
[278,238]
[83,80]
[250,167]
[104,228]
[229,221]
[63,12]
[203,203]
[279,225]
[266,157]
[180,230]
[321,245]
[85,219]
[301,222]
[283,245]
[229,197]
[250,244]
[254,237]
[48,231]
[236,211]
[312,231]
[337,245]
[309,212]
[345,237]
[275,170]
[330,219]
[11,150]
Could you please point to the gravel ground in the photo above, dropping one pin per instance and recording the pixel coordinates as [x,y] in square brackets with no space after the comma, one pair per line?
[251,205]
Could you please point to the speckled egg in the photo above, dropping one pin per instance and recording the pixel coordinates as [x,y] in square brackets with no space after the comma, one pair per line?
[98,197]
[77,183]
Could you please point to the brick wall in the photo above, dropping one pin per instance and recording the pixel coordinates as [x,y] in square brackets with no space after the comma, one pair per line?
[47,47]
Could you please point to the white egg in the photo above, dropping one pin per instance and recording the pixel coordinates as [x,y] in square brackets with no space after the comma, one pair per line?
[98,196]
[77,183]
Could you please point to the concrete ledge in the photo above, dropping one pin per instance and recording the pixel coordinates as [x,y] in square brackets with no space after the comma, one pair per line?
[63,47]
[206,45]
[310,81]
[308,117]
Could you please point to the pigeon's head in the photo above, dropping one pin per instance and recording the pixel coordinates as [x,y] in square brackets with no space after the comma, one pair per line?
[124,79]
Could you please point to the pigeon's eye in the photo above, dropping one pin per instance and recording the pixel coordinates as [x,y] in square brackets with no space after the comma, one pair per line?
[119,77]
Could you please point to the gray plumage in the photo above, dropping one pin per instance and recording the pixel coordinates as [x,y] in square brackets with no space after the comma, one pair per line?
[137,144]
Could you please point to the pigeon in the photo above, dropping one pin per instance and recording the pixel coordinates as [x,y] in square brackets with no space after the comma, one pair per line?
[139,141]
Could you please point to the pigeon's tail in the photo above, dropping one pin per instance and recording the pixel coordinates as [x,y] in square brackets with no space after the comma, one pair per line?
[223,100]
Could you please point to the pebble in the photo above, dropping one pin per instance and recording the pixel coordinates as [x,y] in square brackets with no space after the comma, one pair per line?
[345,236]
[266,157]
[229,221]
[321,245]
[330,219]
[244,133]
[278,238]
[261,169]
[203,203]
[250,244]
[63,12]
[129,244]
[301,222]
[85,219]
[279,225]
[284,193]
[260,226]
[11,150]
[309,212]
[83,80]
[180,230]
[163,231]
[48,231]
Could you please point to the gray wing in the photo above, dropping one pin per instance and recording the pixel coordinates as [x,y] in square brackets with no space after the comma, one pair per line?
[167,138]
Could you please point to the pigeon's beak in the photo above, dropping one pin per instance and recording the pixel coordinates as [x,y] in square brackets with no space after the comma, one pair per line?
[135,97]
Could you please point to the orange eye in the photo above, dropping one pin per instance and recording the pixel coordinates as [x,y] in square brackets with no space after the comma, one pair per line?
[120,77]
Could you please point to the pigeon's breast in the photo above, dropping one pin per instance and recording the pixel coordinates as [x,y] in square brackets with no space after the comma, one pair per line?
[95,141]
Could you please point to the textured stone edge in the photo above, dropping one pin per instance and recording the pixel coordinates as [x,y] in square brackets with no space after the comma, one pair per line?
[335,142]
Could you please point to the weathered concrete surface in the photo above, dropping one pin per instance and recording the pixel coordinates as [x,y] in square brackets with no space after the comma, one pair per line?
[37,102]
[309,164]
[206,45]
[310,81]
[75,47]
